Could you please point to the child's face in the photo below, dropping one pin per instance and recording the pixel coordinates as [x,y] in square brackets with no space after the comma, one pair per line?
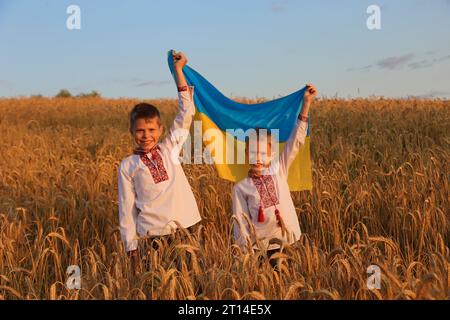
[260,156]
[147,132]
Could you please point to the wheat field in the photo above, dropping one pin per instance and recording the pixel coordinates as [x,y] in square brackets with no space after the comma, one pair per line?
[380,197]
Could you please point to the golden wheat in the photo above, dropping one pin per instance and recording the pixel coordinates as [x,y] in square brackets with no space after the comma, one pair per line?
[380,196]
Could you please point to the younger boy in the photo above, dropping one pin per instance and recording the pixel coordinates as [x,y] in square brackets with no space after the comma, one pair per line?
[153,189]
[262,203]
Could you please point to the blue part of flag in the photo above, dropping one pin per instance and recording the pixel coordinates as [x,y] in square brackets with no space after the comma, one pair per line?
[281,113]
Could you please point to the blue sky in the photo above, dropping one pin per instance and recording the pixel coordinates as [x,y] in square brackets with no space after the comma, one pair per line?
[252,48]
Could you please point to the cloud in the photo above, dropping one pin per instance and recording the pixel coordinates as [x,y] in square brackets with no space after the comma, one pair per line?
[444,58]
[122,82]
[420,64]
[153,83]
[362,69]
[279,6]
[426,63]
[6,84]
[395,62]
[137,82]
[434,94]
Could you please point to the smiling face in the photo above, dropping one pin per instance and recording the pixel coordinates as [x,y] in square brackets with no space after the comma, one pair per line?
[147,132]
[145,125]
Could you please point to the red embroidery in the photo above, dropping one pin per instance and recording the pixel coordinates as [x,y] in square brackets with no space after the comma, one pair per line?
[155,165]
[266,189]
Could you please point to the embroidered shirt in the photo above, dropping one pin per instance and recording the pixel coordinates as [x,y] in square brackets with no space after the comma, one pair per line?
[153,189]
[250,193]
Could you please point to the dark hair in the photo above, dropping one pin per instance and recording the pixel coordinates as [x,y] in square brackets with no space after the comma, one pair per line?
[143,111]
[257,130]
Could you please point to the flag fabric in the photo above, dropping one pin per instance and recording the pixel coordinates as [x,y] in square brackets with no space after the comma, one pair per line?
[218,112]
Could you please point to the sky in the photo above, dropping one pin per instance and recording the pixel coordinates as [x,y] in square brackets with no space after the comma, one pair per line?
[251,48]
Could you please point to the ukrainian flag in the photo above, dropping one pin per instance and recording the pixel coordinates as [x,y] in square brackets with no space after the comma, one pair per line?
[221,113]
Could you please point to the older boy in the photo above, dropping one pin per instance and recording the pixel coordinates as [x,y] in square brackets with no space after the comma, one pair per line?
[262,203]
[153,189]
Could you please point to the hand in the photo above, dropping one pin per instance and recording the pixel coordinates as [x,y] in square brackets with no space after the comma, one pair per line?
[310,93]
[179,59]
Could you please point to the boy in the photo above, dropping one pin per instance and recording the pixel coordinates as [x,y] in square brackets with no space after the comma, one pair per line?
[262,203]
[153,189]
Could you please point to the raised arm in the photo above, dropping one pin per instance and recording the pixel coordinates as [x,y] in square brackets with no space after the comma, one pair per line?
[298,135]
[241,229]
[179,61]
[179,130]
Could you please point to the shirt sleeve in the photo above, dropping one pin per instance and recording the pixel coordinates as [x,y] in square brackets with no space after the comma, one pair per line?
[179,131]
[292,146]
[241,228]
[127,210]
